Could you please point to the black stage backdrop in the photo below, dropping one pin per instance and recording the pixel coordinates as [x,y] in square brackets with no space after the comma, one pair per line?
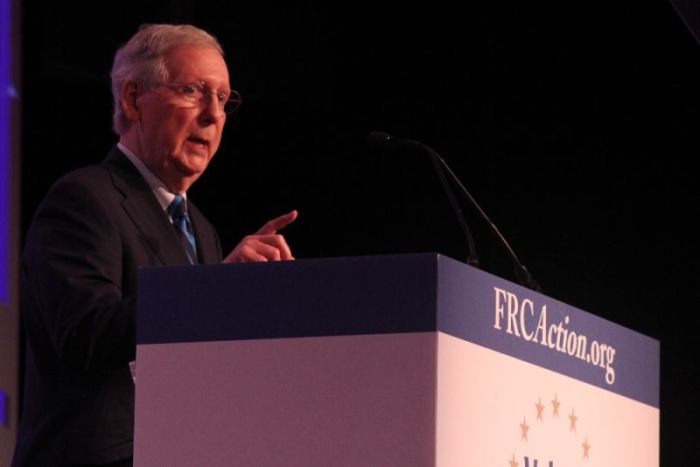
[574,124]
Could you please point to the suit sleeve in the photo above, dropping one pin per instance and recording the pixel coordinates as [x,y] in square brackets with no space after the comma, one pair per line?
[74,262]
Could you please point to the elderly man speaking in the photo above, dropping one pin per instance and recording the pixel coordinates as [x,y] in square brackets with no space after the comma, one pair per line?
[99,224]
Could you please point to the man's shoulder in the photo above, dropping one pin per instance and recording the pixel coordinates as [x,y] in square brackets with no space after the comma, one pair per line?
[96,174]
[112,172]
[90,193]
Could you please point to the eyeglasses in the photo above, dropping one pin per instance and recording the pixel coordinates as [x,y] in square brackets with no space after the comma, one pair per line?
[228,101]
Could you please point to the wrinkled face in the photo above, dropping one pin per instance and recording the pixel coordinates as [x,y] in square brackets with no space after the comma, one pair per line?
[178,138]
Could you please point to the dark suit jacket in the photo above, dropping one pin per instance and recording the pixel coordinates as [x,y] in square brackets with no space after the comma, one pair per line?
[91,233]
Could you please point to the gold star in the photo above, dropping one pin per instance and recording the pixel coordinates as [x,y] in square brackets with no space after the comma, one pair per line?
[586,448]
[524,427]
[512,462]
[539,408]
[572,420]
[555,407]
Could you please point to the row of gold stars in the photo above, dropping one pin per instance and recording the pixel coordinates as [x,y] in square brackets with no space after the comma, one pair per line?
[539,407]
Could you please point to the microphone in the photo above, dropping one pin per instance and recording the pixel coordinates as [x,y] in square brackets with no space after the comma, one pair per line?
[381,140]
[378,139]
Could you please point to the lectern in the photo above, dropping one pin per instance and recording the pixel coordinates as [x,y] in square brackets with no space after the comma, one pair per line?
[401,360]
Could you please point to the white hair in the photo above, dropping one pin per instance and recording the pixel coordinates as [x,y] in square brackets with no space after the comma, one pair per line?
[143,59]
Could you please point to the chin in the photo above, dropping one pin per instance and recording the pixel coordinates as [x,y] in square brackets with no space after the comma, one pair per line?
[193,163]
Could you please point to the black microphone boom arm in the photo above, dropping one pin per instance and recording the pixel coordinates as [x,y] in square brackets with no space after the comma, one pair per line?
[521,272]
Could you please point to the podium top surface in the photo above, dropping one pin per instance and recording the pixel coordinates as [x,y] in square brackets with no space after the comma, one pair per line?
[394,294]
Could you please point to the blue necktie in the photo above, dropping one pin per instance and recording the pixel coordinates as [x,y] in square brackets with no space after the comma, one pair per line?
[181,220]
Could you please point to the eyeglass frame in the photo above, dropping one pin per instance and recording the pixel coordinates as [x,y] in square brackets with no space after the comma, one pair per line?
[202,89]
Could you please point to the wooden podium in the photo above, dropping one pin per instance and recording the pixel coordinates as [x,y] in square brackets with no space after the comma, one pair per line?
[405,360]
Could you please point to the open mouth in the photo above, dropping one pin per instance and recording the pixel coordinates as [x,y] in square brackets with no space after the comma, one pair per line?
[198,141]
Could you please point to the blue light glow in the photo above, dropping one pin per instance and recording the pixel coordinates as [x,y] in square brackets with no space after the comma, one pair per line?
[5,181]
[3,408]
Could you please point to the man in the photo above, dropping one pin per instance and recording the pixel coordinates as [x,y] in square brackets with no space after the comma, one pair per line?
[98,225]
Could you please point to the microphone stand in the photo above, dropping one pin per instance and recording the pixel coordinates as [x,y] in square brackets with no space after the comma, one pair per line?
[521,272]
[438,163]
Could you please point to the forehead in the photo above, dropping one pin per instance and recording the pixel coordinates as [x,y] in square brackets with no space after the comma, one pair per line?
[197,64]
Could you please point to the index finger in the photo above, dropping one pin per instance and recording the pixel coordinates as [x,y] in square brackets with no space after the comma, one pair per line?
[278,223]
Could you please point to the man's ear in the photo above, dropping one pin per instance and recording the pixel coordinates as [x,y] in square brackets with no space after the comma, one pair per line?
[130,96]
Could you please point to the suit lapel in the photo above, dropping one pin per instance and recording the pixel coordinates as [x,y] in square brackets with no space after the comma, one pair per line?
[142,207]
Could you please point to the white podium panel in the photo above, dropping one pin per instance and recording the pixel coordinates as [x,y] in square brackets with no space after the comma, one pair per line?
[408,360]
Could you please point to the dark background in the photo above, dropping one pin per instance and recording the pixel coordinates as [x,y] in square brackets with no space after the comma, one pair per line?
[574,124]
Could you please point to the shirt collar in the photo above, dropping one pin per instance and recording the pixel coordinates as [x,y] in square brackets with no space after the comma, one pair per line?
[161,192]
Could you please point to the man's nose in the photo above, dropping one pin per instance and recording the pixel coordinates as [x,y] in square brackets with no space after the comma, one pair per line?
[212,109]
